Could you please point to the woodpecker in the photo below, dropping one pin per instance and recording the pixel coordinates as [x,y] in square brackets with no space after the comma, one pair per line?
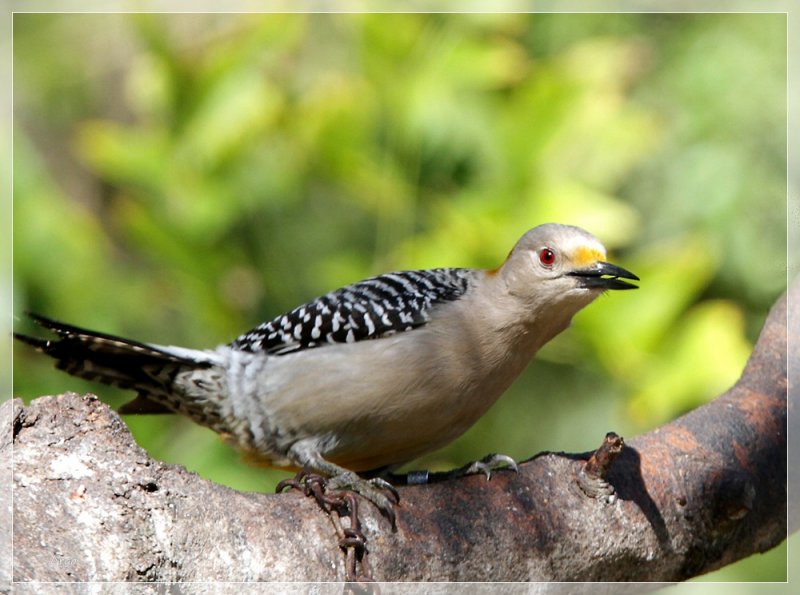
[367,377]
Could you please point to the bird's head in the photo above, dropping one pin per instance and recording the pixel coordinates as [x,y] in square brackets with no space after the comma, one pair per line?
[555,263]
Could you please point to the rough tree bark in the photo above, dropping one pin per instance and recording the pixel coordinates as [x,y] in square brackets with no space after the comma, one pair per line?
[692,496]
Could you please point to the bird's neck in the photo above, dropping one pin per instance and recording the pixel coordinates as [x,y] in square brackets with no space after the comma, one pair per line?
[524,326]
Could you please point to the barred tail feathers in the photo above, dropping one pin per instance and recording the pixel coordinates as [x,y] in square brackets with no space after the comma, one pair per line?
[148,369]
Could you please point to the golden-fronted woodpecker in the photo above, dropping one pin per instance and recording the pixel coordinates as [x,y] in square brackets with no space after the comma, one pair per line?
[366,377]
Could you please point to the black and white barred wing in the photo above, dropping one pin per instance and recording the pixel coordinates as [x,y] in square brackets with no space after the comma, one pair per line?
[377,307]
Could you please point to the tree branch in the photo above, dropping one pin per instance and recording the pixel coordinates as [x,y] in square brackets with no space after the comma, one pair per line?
[692,496]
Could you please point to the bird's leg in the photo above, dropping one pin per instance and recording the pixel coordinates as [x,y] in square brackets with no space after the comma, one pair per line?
[486,465]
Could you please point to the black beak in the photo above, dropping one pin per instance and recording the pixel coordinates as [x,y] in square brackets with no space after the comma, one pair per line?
[604,275]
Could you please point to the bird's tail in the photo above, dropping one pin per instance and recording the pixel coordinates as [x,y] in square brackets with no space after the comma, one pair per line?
[148,369]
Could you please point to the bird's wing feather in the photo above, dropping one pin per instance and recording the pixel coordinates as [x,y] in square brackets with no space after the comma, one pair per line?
[377,307]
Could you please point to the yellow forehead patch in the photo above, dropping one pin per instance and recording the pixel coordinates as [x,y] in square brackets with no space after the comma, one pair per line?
[585,256]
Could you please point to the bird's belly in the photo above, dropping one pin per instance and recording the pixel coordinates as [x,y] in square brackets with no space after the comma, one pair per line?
[363,417]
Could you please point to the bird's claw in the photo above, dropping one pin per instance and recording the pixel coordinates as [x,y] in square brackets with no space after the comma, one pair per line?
[486,465]
[328,491]
[384,485]
[374,490]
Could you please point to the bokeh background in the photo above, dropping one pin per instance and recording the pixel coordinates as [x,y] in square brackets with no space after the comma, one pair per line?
[180,178]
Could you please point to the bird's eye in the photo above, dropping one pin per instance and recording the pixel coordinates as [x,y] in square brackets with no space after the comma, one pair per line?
[547,257]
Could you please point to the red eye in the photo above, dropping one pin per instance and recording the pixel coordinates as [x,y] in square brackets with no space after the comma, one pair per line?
[547,257]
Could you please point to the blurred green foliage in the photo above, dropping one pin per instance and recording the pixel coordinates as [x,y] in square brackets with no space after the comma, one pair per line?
[180,178]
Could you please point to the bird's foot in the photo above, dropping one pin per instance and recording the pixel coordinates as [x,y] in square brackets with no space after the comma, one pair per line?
[377,490]
[486,465]
[489,463]
[328,491]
